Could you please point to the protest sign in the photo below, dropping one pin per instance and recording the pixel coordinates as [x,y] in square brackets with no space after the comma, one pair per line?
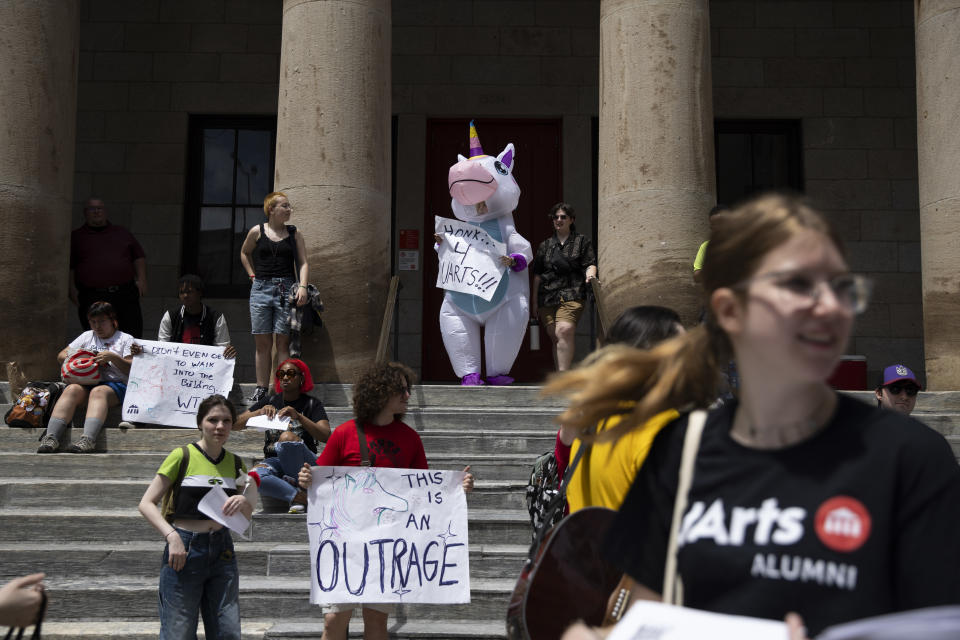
[387,535]
[169,380]
[469,258]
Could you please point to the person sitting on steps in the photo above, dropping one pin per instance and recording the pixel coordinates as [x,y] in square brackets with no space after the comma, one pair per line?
[112,347]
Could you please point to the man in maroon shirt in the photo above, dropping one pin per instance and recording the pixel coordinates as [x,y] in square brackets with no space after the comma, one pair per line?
[107,263]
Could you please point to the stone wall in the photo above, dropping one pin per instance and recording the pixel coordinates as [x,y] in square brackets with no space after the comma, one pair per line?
[144,66]
[846,70]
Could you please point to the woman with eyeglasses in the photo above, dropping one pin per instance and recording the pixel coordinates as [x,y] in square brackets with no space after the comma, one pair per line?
[801,500]
[286,451]
[564,265]
[380,399]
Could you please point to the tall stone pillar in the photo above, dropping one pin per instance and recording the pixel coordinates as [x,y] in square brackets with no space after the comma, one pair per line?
[938,148]
[38,113]
[333,161]
[656,173]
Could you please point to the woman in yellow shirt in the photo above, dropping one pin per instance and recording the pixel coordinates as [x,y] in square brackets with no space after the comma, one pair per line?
[603,477]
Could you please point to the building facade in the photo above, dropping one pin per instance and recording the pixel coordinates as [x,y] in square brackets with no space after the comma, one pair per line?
[642,114]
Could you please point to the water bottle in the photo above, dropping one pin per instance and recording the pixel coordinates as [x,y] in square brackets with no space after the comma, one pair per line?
[534,335]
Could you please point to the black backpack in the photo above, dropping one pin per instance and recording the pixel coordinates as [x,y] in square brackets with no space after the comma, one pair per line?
[543,487]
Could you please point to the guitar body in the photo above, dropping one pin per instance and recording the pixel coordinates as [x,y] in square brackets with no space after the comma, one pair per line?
[568,580]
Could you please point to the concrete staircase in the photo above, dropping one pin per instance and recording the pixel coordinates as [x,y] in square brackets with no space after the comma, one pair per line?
[75,517]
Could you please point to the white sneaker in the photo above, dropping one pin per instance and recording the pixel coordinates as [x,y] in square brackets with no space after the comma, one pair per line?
[297,508]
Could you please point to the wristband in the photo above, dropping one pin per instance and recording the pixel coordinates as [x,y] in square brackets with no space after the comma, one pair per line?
[302,286]
[168,533]
[252,275]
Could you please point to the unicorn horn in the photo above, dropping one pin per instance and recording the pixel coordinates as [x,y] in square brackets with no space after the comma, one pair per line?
[475,149]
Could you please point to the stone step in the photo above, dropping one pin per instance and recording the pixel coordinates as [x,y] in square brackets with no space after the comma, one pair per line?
[432,395]
[270,629]
[261,597]
[250,442]
[423,419]
[73,492]
[39,525]
[142,558]
[508,467]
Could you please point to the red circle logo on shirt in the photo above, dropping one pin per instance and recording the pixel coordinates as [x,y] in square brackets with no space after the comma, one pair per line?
[842,523]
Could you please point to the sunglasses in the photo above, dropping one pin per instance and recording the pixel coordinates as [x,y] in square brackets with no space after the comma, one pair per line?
[287,373]
[895,389]
[559,216]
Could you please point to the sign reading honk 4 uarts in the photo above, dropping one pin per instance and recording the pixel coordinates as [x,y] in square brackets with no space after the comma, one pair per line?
[469,258]
[388,535]
[169,380]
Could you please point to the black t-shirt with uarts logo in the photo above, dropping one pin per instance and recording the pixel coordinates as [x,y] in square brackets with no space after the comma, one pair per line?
[860,520]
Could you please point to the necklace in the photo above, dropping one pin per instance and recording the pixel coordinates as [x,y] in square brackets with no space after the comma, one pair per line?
[779,436]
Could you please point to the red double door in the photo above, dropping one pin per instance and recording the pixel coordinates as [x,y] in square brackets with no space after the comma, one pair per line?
[537,171]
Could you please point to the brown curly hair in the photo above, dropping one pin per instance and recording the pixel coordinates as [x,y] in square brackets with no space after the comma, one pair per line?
[375,387]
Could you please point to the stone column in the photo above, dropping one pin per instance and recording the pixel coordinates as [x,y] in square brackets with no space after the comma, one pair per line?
[333,161]
[938,147]
[656,173]
[38,113]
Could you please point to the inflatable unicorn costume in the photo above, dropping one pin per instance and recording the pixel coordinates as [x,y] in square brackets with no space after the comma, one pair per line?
[485,194]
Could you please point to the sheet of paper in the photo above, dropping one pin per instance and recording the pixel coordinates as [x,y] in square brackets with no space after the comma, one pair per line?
[262,423]
[212,505]
[933,623]
[657,621]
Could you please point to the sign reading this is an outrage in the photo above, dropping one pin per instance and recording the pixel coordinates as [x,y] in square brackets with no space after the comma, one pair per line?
[388,535]
[169,380]
[469,258]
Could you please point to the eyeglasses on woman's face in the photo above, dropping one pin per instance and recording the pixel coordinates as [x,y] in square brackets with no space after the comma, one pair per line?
[559,216]
[802,290]
[287,373]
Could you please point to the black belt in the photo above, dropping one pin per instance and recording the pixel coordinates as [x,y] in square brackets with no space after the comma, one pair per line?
[113,289]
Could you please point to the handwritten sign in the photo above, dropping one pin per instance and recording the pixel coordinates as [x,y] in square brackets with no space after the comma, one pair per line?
[169,380]
[469,258]
[387,535]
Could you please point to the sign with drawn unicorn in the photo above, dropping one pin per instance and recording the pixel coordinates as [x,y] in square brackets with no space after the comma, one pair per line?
[388,535]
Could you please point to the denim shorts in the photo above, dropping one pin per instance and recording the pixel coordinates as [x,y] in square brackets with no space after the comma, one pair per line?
[208,586]
[270,305]
[119,388]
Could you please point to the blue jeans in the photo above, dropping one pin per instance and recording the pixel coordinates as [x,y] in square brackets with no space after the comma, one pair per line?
[270,305]
[289,460]
[208,585]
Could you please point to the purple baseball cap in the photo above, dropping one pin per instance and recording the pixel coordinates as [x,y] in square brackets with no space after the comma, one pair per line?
[898,373]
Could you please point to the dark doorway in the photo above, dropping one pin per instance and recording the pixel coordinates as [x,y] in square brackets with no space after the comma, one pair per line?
[538,172]
[757,155]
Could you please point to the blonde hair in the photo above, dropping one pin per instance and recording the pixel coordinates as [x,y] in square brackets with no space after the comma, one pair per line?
[271,200]
[684,371]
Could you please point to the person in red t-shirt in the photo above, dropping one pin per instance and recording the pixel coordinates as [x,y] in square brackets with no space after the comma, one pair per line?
[107,264]
[379,403]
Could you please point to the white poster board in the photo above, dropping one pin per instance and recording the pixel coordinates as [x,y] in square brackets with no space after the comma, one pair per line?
[387,535]
[169,380]
[469,258]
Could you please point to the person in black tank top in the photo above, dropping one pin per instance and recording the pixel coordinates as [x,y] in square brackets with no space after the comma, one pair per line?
[275,258]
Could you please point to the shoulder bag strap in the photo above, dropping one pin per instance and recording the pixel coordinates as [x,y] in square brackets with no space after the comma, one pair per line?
[672,588]
[364,451]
